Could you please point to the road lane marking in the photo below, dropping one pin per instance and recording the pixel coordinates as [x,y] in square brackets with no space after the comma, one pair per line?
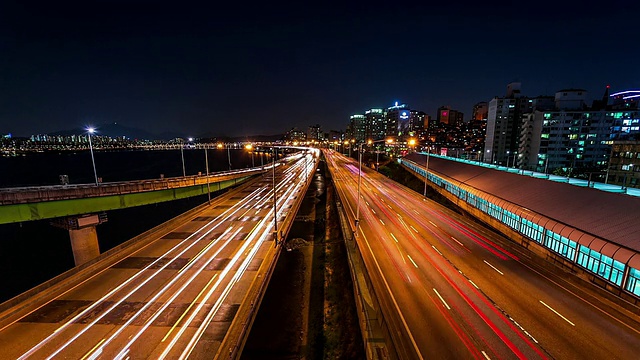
[401,256]
[438,251]
[485,355]
[456,240]
[431,222]
[394,238]
[557,313]
[441,299]
[93,349]
[532,338]
[413,262]
[493,267]
[414,210]
[373,211]
[474,284]
[414,229]
[382,222]
[188,308]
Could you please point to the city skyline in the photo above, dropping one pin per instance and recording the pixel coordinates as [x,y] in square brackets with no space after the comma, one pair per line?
[267,69]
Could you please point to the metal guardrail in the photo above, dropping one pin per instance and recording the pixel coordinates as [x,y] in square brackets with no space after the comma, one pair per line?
[373,326]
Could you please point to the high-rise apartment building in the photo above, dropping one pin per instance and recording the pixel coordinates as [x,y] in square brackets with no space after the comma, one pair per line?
[572,135]
[503,124]
[477,127]
[624,166]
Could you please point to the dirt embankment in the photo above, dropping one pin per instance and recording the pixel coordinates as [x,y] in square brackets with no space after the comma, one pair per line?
[308,311]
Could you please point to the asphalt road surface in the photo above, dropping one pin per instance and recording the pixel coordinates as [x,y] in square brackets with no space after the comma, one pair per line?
[449,290]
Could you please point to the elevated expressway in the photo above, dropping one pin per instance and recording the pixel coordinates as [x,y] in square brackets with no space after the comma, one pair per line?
[447,288]
[19,204]
[80,208]
[189,290]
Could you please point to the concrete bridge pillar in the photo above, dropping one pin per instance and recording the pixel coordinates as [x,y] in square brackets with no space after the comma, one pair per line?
[83,235]
[84,243]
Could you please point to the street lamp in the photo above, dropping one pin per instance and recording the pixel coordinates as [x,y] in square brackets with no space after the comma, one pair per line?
[426,171]
[370,142]
[359,178]
[275,209]
[412,143]
[93,161]
[249,147]
[206,161]
[220,146]
[184,173]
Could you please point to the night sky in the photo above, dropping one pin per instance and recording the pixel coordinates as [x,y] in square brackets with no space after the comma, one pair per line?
[236,68]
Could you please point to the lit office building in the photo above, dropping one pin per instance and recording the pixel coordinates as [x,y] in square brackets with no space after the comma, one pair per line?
[315,133]
[358,128]
[397,120]
[377,124]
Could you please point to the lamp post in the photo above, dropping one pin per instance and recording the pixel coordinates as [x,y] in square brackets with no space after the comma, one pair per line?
[508,158]
[275,209]
[359,178]
[93,161]
[206,161]
[426,171]
[220,146]
[184,173]
[412,144]
[370,142]
[229,157]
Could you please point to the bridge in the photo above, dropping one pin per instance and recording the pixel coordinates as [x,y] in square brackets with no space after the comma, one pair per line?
[188,288]
[80,208]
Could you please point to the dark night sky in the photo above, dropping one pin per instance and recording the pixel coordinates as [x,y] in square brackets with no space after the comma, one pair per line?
[241,69]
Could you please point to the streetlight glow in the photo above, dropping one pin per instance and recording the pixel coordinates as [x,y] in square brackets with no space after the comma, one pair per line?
[93,161]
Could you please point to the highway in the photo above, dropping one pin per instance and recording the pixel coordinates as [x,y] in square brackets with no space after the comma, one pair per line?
[448,289]
[175,298]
